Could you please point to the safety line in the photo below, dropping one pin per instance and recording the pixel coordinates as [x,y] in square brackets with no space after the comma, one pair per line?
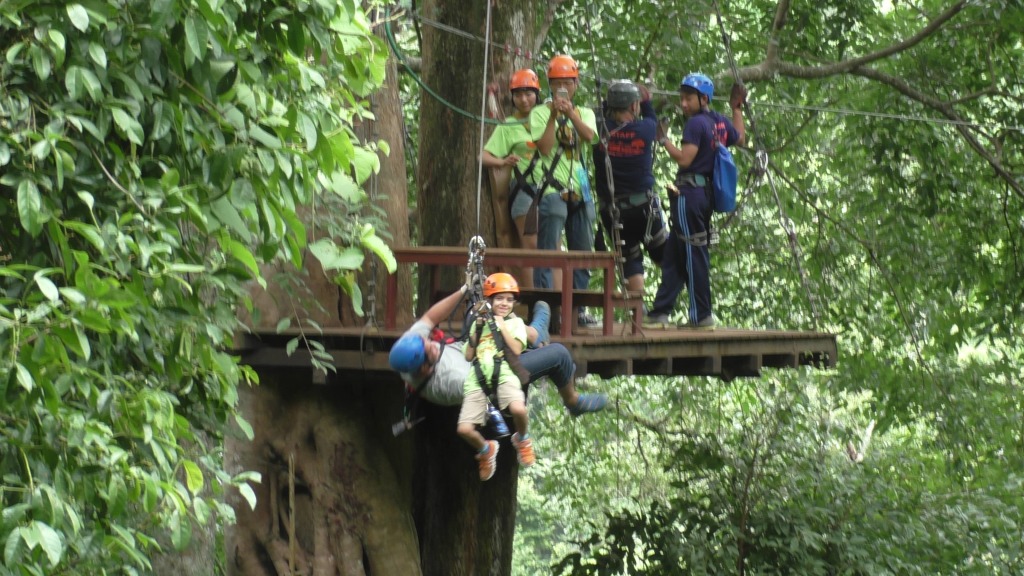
[664,92]
[483,113]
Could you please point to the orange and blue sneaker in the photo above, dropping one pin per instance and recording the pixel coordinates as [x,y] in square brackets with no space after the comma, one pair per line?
[488,460]
[524,450]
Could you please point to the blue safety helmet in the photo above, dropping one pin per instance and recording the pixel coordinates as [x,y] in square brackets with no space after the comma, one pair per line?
[408,353]
[700,83]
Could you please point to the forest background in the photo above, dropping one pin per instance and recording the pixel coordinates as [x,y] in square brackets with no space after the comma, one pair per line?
[139,196]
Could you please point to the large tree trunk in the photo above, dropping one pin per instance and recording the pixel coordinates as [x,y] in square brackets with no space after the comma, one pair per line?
[363,502]
[465,526]
[335,496]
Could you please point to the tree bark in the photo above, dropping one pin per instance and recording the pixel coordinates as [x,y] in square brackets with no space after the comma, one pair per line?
[466,526]
[327,456]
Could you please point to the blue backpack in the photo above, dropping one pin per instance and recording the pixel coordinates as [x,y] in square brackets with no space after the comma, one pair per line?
[723,176]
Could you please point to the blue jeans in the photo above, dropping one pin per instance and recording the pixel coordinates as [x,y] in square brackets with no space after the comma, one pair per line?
[579,235]
[552,360]
[687,263]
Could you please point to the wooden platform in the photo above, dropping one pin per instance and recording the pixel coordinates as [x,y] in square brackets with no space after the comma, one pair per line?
[724,352]
[615,349]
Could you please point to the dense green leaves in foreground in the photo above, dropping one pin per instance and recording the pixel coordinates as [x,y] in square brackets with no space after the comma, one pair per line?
[152,156]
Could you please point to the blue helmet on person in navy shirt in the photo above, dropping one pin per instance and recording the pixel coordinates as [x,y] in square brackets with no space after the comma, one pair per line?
[699,82]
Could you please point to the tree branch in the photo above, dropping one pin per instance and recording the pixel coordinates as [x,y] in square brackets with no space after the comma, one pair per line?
[773,65]
[946,109]
[545,25]
[781,13]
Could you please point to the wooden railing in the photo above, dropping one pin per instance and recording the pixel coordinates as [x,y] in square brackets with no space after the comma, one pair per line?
[429,258]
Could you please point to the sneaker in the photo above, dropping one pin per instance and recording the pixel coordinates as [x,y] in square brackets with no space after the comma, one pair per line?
[585,320]
[656,321]
[524,450]
[708,323]
[488,461]
[541,323]
[587,403]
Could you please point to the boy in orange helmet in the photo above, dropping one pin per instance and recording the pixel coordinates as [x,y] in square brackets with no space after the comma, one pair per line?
[492,375]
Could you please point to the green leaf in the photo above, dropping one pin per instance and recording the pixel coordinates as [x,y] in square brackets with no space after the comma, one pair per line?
[87,231]
[308,130]
[25,378]
[12,547]
[291,346]
[202,510]
[30,207]
[247,492]
[348,284]
[193,477]
[79,17]
[59,46]
[245,426]
[192,46]
[98,54]
[92,84]
[128,126]
[47,287]
[40,62]
[181,531]
[263,137]
[333,258]
[373,243]
[225,211]
[283,324]
[240,252]
[73,340]
[47,538]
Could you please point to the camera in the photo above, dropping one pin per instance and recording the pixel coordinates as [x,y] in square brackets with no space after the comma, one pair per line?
[496,421]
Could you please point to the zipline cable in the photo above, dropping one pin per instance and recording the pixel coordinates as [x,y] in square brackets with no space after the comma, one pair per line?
[401,59]
[483,113]
[392,42]
[784,221]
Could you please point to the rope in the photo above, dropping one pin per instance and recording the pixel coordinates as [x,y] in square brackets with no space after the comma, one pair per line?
[412,73]
[784,221]
[520,52]
[483,112]
[613,209]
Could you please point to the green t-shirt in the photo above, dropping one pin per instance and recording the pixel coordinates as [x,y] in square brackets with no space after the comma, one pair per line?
[514,137]
[487,349]
[570,159]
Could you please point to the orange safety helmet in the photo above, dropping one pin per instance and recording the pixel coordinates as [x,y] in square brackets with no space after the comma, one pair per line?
[500,282]
[563,66]
[524,78]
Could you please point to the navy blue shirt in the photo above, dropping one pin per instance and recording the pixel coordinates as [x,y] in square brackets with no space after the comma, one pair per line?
[630,147]
[699,130]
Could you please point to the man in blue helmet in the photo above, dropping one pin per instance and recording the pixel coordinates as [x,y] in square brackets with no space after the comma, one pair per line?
[439,371]
[687,260]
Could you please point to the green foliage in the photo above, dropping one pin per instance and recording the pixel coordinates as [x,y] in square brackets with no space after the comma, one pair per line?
[153,156]
[910,242]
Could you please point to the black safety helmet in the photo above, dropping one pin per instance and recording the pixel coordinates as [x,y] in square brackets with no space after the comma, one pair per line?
[622,94]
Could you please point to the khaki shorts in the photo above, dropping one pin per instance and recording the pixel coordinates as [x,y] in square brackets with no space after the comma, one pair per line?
[474,404]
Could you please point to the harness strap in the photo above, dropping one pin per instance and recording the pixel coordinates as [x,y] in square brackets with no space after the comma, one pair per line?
[698,239]
[693,180]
